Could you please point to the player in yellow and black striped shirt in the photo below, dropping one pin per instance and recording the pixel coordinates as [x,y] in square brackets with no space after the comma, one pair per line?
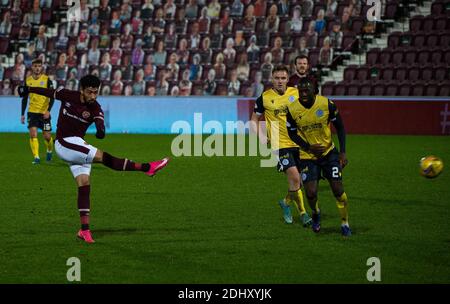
[38,115]
[273,104]
[309,125]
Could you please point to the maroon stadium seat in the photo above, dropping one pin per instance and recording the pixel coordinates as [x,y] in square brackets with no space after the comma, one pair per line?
[378,89]
[387,74]
[410,56]
[391,10]
[397,57]
[314,57]
[447,57]
[437,8]
[365,89]
[350,73]
[339,90]
[4,44]
[440,73]
[385,56]
[423,56]
[441,23]
[372,56]
[431,89]
[418,40]
[327,88]
[362,73]
[414,73]
[444,39]
[394,39]
[427,73]
[444,89]
[357,24]
[417,89]
[415,23]
[348,41]
[401,73]
[391,89]
[432,40]
[352,89]
[428,24]
[404,89]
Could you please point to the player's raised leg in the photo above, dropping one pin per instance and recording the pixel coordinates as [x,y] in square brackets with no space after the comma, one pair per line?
[34,145]
[124,164]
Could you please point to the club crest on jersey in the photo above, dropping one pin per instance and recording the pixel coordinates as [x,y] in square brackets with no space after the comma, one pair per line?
[319,113]
[291,98]
[86,114]
[42,83]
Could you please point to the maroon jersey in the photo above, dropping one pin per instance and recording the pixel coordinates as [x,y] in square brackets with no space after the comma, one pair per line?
[295,79]
[74,117]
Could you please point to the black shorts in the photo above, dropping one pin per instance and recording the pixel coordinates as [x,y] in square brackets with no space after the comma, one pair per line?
[37,120]
[288,157]
[327,167]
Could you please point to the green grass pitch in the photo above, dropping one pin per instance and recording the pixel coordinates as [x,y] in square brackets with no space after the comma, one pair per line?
[216,220]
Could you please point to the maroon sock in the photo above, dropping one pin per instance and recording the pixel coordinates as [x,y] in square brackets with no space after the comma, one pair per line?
[123,164]
[84,205]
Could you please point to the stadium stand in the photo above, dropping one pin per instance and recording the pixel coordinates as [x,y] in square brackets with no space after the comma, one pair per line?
[160,40]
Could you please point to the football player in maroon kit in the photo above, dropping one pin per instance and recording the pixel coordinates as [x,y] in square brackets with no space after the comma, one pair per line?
[79,109]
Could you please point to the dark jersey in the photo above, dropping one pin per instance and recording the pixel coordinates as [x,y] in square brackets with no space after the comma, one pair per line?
[74,117]
[294,80]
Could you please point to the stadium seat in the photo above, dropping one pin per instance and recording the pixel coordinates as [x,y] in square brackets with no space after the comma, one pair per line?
[440,73]
[447,57]
[428,24]
[432,40]
[357,24]
[391,10]
[418,40]
[372,56]
[378,90]
[350,73]
[414,73]
[410,56]
[431,89]
[397,57]
[441,23]
[417,89]
[362,73]
[401,73]
[423,56]
[415,23]
[444,39]
[352,89]
[437,8]
[444,90]
[394,39]
[427,73]
[387,74]
[391,89]
[385,56]
[327,88]
[404,89]
[339,90]
[365,89]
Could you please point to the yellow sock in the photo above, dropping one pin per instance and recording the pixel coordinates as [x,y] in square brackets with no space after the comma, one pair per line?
[34,144]
[49,144]
[342,205]
[297,197]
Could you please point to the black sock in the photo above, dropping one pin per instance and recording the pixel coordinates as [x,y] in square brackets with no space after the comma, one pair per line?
[145,167]
[84,226]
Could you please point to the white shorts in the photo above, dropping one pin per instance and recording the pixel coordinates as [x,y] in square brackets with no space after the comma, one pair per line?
[77,153]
